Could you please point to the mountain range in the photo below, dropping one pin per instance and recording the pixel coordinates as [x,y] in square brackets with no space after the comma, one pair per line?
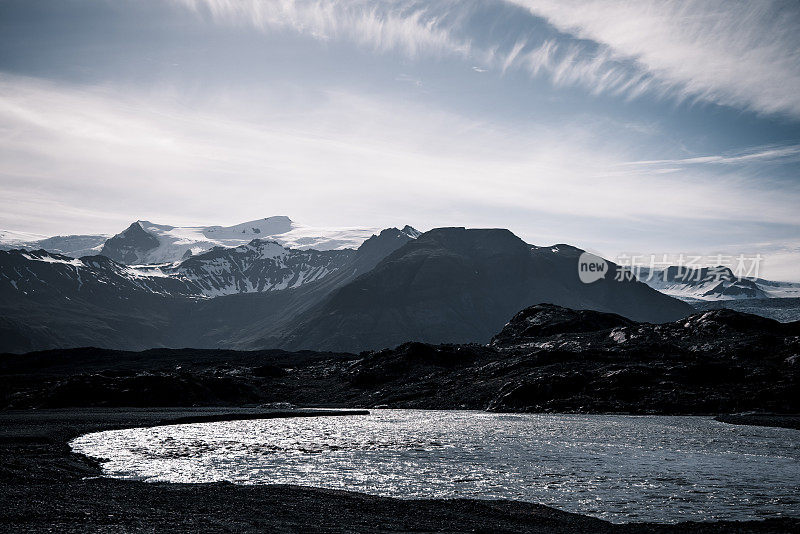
[714,283]
[144,242]
[445,285]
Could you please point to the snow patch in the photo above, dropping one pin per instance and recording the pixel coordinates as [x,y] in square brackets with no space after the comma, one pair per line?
[51,259]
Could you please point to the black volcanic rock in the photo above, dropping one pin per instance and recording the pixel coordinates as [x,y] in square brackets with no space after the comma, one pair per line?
[708,363]
[725,322]
[547,319]
[130,245]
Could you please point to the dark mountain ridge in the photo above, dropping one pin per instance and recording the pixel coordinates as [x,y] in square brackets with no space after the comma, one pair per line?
[459,285]
[446,285]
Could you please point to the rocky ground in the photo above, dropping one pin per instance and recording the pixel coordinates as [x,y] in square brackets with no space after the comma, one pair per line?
[546,359]
[46,488]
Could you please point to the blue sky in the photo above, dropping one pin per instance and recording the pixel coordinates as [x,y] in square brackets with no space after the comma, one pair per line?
[620,127]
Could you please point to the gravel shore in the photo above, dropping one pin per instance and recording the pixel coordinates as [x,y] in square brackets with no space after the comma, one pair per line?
[45,487]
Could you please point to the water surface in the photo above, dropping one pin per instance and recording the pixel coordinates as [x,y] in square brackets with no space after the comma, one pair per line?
[620,468]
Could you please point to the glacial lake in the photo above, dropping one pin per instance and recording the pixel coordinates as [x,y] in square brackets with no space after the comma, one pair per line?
[615,467]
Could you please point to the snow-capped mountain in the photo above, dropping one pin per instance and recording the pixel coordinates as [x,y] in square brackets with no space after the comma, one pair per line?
[714,283]
[144,242]
[74,246]
[256,267]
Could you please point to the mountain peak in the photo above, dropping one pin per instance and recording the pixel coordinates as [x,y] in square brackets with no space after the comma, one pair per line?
[136,226]
[130,245]
[411,232]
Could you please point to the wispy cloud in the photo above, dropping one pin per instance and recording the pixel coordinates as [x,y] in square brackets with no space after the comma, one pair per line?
[437,28]
[745,54]
[408,26]
[758,155]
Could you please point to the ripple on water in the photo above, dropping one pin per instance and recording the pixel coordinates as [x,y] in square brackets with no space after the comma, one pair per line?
[620,468]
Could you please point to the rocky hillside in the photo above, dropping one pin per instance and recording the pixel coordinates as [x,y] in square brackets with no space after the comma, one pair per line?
[547,358]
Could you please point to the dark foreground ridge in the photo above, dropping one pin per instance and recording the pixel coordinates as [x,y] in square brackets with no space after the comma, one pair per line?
[546,359]
[45,487]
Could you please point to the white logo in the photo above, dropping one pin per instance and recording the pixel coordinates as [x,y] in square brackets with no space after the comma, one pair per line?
[591,268]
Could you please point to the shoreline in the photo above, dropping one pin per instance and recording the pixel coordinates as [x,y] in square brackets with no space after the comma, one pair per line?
[772,420]
[46,485]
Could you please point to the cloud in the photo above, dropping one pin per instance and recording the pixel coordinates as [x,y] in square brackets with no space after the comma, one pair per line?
[346,159]
[730,53]
[407,26]
[759,155]
[744,54]
[436,29]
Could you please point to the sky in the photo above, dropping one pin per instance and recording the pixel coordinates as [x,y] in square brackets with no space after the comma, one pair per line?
[624,128]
